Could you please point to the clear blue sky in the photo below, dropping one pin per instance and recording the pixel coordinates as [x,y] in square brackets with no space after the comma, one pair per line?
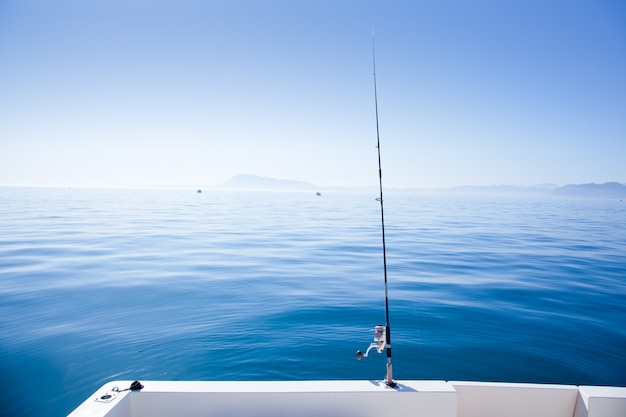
[123,92]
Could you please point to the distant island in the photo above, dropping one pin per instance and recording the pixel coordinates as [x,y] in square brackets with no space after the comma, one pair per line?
[606,190]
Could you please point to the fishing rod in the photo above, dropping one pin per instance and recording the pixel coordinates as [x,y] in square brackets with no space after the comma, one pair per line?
[382,334]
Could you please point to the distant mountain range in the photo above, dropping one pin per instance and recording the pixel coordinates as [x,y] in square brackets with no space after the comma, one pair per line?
[606,190]
[512,190]
[255,182]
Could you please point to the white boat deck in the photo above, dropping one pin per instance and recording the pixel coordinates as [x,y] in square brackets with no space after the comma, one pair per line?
[352,398]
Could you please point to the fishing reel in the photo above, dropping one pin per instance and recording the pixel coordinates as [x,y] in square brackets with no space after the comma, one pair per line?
[379,342]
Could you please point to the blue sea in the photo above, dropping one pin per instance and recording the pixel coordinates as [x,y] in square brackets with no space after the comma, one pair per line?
[99,285]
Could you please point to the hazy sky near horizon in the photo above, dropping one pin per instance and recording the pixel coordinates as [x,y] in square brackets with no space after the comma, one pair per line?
[138,92]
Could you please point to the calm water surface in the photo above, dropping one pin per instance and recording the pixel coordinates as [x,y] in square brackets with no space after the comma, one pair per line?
[97,285]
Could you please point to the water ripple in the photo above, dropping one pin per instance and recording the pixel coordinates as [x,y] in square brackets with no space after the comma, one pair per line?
[169,284]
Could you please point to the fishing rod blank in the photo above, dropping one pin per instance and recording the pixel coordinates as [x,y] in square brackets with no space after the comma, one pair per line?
[382,336]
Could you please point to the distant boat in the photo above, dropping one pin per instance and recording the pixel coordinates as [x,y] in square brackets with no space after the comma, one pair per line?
[199,191]
[318,194]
